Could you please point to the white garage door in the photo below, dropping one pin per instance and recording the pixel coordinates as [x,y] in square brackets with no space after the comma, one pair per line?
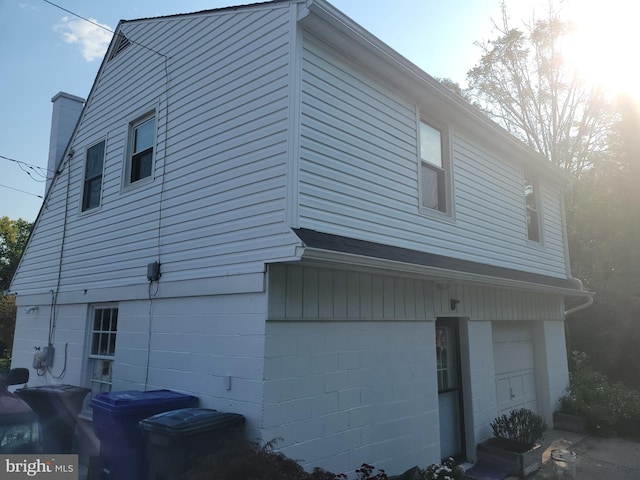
[514,365]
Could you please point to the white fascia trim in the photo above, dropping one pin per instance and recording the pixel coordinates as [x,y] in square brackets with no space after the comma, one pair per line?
[222,285]
[327,256]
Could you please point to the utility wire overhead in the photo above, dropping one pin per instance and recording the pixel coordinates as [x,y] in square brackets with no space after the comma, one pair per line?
[36,173]
[26,164]
[21,191]
[79,16]
[103,27]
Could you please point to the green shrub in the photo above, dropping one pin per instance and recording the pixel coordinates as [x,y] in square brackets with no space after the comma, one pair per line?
[521,425]
[603,405]
[238,459]
[365,472]
[448,470]
[5,364]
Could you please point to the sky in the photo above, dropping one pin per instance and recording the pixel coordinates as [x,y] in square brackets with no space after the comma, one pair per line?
[45,50]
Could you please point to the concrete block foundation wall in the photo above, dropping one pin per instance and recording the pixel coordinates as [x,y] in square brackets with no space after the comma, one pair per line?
[340,394]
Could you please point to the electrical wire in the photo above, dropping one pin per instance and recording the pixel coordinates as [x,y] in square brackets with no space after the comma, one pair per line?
[29,165]
[21,191]
[102,27]
[79,16]
[64,368]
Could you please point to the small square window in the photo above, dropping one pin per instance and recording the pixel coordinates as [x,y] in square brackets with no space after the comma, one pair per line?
[434,167]
[142,142]
[94,163]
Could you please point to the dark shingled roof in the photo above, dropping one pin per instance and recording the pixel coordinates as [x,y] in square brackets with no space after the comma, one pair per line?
[336,243]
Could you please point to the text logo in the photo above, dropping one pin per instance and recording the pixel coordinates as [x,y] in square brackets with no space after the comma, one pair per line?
[50,467]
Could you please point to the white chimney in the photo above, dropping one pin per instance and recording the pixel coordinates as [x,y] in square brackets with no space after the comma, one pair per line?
[66,112]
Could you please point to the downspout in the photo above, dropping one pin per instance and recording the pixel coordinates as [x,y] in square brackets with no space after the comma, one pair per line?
[586,304]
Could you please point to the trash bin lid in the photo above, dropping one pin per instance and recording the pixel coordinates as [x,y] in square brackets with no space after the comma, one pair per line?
[53,390]
[133,401]
[189,421]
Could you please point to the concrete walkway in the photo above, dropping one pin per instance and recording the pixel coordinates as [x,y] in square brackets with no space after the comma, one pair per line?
[597,458]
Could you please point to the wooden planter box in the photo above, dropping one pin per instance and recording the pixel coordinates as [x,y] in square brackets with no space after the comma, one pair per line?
[569,422]
[512,458]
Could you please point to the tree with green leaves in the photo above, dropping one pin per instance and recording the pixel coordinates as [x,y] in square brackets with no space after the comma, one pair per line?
[13,239]
[524,82]
[604,239]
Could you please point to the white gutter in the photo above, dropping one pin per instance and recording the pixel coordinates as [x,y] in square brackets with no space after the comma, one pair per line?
[323,256]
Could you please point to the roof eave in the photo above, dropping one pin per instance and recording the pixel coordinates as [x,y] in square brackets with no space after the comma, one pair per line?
[319,16]
[318,256]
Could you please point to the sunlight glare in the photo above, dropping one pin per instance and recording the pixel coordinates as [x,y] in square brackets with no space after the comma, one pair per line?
[605,43]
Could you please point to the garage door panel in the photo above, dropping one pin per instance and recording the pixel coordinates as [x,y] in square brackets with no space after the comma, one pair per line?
[503,390]
[514,365]
[512,332]
[511,357]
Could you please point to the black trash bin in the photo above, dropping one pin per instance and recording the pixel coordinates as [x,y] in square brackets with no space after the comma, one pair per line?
[174,438]
[57,407]
[115,422]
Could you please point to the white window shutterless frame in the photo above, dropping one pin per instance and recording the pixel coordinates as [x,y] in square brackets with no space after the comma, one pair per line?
[92,185]
[103,325]
[435,168]
[141,150]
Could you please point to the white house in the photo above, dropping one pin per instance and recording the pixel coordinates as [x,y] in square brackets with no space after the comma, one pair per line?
[267,207]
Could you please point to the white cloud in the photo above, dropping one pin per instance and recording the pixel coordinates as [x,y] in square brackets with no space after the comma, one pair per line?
[92,40]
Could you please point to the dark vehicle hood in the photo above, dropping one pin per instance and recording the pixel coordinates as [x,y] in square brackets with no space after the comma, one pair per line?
[11,404]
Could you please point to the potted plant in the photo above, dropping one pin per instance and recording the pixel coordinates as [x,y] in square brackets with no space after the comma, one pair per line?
[568,417]
[514,447]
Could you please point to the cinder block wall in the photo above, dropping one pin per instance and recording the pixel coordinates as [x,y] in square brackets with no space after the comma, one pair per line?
[339,394]
[211,347]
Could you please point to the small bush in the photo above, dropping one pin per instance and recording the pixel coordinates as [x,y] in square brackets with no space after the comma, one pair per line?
[603,405]
[5,364]
[448,470]
[365,472]
[521,425]
[239,459]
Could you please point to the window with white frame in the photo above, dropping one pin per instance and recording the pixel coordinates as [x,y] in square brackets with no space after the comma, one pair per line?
[142,139]
[92,188]
[533,209]
[104,328]
[434,168]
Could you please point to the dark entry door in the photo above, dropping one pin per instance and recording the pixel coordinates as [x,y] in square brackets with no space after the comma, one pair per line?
[449,388]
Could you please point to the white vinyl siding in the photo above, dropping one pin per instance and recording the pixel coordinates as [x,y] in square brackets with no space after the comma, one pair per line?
[311,293]
[359,176]
[221,175]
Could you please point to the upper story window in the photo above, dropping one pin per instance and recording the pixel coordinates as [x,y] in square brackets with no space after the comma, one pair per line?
[434,168]
[92,189]
[142,139]
[533,209]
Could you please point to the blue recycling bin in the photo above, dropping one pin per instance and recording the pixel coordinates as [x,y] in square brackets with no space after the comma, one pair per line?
[115,422]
